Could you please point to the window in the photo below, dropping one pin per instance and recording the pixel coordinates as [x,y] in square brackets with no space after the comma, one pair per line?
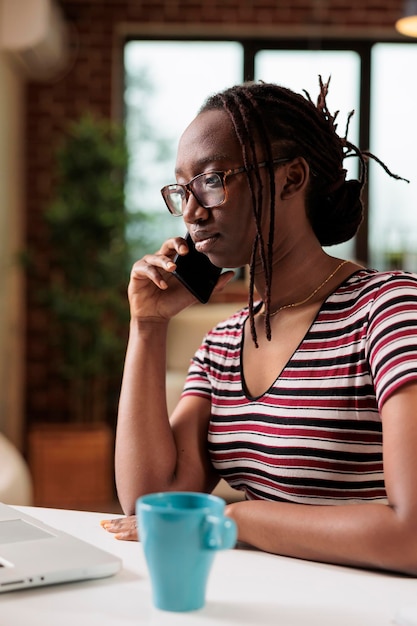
[167,81]
[393,204]
[299,70]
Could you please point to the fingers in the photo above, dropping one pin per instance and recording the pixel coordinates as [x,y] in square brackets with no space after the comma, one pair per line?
[150,267]
[174,245]
[154,294]
[154,266]
[224,279]
[124,528]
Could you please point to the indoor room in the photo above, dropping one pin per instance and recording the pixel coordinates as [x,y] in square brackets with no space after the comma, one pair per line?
[94,98]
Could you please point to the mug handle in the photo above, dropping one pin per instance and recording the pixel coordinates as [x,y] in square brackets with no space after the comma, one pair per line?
[219,533]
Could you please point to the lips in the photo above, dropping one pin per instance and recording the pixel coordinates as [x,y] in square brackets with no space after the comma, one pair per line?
[205,242]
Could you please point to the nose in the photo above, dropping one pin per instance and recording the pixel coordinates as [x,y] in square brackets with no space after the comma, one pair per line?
[193,211]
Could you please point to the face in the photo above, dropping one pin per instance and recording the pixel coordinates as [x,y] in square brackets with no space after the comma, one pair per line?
[225,233]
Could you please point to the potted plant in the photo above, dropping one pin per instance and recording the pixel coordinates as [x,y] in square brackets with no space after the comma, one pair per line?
[86,304]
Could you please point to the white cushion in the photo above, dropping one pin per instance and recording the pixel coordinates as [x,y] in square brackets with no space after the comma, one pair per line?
[15,479]
[187,329]
[185,334]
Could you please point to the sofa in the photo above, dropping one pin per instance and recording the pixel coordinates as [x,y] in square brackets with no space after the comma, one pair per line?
[15,478]
[185,335]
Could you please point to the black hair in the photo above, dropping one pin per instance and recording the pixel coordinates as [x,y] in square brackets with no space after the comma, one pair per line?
[278,119]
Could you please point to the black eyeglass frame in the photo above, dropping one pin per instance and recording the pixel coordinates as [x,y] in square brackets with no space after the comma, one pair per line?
[223,174]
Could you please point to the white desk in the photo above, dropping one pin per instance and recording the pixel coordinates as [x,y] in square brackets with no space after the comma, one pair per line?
[246,588]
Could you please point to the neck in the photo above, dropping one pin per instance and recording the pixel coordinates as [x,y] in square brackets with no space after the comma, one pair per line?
[318,293]
[295,275]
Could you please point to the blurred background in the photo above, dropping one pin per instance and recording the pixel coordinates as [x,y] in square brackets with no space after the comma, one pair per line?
[94,95]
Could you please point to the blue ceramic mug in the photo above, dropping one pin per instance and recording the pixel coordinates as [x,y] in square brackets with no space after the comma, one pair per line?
[180,533]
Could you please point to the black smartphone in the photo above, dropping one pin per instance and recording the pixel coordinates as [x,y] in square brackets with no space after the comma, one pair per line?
[196,272]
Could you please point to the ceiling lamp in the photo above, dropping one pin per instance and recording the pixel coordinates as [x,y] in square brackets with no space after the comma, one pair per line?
[407,24]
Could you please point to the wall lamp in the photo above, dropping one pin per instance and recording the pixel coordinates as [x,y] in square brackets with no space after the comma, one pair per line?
[407,24]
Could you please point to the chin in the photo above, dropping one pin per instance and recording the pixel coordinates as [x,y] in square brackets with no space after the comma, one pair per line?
[228,256]
[226,262]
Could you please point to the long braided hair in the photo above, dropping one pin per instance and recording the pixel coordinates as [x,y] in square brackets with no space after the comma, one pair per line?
[278,119]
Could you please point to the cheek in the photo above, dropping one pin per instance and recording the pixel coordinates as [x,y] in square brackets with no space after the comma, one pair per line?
[236,216]
[238,238]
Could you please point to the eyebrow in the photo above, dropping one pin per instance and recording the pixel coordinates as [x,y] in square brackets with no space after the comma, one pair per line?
[209,159]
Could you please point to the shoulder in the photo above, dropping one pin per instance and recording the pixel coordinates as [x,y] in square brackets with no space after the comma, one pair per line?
[384,295]
[235,317]
[369,291]
[373,283]
[223,341]
[230,325]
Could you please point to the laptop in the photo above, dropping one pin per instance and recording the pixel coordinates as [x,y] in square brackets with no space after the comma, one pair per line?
[34,554]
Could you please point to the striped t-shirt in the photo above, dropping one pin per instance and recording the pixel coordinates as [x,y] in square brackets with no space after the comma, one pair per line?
[315,436]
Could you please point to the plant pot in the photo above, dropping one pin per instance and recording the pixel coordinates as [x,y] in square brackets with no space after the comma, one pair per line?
[72,466]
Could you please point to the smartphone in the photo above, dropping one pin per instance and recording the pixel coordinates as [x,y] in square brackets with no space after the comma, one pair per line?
[196,272]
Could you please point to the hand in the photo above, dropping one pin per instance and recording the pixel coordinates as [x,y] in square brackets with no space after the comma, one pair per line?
[154,294]
[124,528]
[153,291]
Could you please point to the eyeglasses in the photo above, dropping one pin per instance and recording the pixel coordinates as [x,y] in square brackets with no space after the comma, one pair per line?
[209,189]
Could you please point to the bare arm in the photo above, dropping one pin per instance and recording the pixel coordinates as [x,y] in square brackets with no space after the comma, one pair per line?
[143,434]
[154,453]
[366,535]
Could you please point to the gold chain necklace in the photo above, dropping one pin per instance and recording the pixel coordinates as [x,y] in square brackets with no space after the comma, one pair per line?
[312,294]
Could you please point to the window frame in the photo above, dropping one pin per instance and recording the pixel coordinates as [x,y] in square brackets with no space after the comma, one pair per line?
[363,47]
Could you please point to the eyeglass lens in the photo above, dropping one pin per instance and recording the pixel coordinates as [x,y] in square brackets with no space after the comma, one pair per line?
[207,188]
[174,196]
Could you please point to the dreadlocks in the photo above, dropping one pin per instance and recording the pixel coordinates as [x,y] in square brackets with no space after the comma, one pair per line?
[277,119]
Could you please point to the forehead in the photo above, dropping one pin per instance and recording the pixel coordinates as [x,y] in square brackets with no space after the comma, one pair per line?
[210,137]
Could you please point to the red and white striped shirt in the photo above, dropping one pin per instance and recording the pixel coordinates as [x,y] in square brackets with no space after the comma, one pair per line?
[315,437]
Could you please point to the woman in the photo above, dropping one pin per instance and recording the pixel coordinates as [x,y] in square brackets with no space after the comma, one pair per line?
[305,399]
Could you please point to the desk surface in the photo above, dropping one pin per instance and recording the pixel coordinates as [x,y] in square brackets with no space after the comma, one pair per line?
[246,587]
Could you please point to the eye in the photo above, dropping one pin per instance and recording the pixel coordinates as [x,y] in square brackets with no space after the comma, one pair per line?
[180,191]
[175,189]
[212,180]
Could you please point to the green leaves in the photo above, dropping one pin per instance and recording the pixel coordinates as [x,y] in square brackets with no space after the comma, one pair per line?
[90,259]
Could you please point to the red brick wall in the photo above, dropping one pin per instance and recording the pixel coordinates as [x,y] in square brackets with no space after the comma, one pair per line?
[91,83]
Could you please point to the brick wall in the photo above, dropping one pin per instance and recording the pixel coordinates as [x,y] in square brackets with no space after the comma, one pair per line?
[93,81]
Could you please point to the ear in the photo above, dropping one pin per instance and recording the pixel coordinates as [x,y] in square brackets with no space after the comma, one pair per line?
[297,176]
